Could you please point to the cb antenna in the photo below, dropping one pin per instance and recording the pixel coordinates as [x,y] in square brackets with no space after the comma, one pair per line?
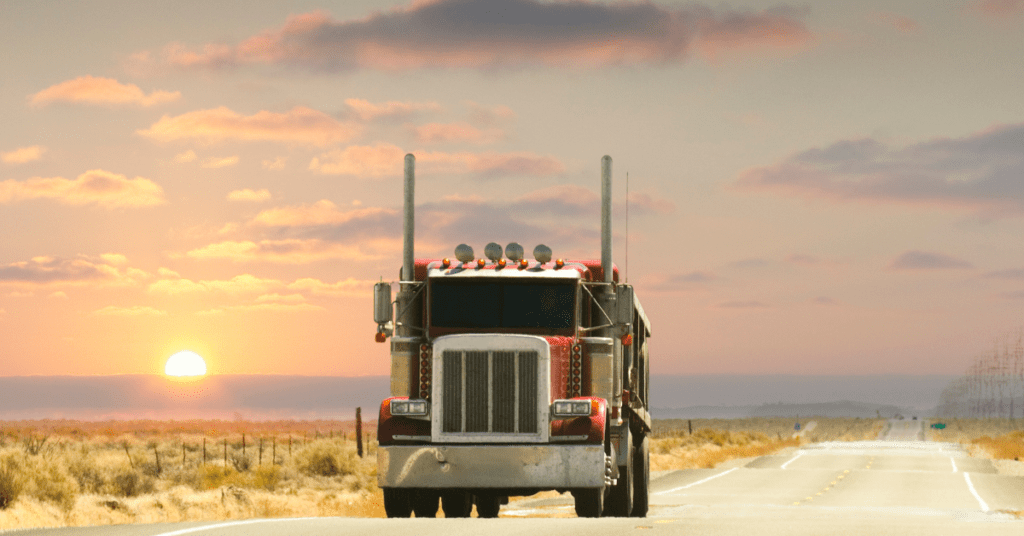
[627,228]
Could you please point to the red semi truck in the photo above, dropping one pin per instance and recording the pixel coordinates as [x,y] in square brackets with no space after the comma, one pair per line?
[512,376]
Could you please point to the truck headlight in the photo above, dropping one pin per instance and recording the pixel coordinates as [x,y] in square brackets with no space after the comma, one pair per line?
[570,408]
[410,408]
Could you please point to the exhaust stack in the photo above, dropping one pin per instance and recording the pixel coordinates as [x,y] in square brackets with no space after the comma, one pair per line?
[606,218]
[409,221]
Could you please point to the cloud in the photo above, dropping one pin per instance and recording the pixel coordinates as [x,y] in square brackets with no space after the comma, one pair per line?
[114,258]
[367,111]
[135,310]
[256,196]
[980,171]
[923,260]
[23,155]
[322,213]
[240,284]
[265,308]
[60,294]
[347,287]
[824,300]
[44,270]
[899,22]
[293,250]
[456,132]
[276,164]
[99,187]
[998,8]
[386,160]
[217,163]
[185,157]
[492,34]
[299,125]
[1017,273]
[97,90]
[489,116]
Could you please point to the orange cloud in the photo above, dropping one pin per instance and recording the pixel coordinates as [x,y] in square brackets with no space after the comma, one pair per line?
[383,160]
[347,287]
[365,110]
[97,90]
[322,212]
[490,34]
[23,155]
[456,132]
[135,310]
[271,307]
[44,270]
[185,157]
[240,284]
[217,163]
[256,196]
[294,251]
[99,187]
[275,164]
[298,125]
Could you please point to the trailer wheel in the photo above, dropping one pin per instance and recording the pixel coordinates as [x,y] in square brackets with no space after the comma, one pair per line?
[396,502]
[589,501]
[641,476]
[456,503]
[424,502]
[488,505]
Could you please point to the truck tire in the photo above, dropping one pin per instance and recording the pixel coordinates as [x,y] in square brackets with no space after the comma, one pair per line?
[641,476]
[396,502]
[589,501]
[456,503]
[488,505]
[620,497]
[425,502]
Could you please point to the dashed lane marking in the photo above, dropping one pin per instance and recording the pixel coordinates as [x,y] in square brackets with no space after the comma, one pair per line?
[970,486]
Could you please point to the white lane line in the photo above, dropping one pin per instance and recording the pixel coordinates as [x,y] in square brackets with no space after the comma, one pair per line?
[690,485]
[970,485]
[229,524]
[793,459]
[952,462]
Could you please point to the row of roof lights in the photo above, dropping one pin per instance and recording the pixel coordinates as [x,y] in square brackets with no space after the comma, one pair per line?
[514,251]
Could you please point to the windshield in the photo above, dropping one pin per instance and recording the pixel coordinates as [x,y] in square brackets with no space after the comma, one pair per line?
[481,303]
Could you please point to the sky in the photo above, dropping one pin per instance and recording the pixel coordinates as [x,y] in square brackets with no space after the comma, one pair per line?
[826,187]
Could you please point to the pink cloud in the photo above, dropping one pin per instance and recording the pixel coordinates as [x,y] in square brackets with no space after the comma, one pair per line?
[294,251]
[505,33]
[926,260]
[322,212]
[365,110]
[47,270]
[384,160]
[99,187]
[298,125]
[255,196]
[23,155]
[97,90]
[456,132]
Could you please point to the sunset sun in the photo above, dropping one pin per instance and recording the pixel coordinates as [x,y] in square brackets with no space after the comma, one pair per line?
[185,363]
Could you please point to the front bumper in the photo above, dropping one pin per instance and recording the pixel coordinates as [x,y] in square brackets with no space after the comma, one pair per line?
[491,466]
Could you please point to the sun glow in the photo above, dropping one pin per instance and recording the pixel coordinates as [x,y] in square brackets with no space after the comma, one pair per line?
[185,363]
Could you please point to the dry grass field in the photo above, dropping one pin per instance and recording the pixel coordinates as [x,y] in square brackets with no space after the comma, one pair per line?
[997,439]
[67,473]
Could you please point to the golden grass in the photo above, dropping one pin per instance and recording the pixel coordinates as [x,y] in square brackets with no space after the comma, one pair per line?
[63,473]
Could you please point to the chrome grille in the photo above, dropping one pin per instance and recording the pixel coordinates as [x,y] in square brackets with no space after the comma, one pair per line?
[489,391]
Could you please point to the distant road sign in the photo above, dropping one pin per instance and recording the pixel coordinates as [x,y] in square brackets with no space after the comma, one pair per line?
[796,426]
[938,425]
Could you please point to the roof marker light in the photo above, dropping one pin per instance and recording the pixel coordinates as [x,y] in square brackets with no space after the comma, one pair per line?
[502,263]
[559,264]
[480,263]
[523,263]
[446,262]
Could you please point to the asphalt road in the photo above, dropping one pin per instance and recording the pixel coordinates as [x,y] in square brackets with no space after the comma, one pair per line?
[899,484]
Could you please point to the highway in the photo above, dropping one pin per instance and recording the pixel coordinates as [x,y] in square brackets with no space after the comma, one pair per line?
[899,484]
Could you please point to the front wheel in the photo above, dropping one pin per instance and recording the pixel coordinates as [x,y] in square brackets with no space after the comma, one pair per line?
[589,501]
[397,503]
[456,503]
[488,505]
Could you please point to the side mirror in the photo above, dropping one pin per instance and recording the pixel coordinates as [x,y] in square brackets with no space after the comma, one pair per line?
[382,303]
[624,304]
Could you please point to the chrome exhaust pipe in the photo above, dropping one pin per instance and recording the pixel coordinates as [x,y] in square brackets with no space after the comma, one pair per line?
[408,258]
[606,218]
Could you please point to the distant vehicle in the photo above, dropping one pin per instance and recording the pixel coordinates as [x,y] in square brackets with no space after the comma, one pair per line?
[915,417]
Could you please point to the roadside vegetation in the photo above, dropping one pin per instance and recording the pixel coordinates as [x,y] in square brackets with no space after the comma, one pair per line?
[996,439]
[67,473]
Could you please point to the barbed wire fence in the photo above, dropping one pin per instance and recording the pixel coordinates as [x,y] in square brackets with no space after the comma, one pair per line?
[992,387]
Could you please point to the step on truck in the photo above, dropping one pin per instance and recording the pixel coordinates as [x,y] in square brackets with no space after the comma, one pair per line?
[512,376]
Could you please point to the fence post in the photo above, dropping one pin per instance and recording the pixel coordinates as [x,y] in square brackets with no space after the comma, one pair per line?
[261,450]
[156,453]
[204,451]
[182,454]
[225,454]
[359,431]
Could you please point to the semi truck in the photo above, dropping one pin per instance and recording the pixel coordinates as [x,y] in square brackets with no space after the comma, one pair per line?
[512,376]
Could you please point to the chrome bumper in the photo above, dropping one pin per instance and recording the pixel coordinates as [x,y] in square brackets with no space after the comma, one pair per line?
[491,466]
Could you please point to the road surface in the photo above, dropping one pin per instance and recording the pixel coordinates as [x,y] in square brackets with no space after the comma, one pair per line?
[899,485]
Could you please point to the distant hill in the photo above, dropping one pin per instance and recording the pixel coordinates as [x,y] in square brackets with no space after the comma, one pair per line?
[844,408]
